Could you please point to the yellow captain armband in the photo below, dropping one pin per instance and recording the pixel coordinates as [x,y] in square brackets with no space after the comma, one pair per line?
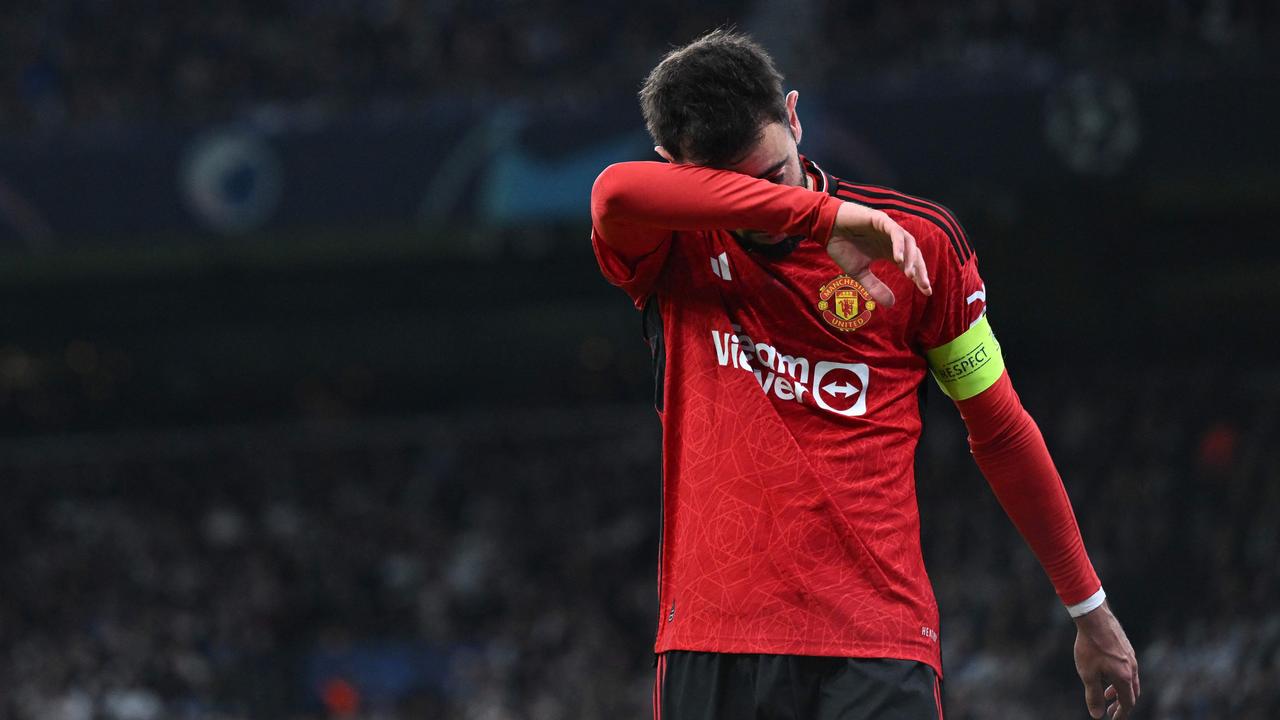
[969,364]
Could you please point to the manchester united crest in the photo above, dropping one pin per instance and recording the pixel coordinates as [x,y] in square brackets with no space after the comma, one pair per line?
[845,304]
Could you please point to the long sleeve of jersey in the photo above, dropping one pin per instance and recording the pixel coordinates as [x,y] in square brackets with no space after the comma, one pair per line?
[635,206]
[638,207]
[1011,452]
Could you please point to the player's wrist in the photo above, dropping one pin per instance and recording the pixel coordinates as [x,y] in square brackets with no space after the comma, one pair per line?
[841,221]
[851,219]
[1088,606]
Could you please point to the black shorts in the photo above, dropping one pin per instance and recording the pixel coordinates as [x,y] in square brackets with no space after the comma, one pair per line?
[720,686]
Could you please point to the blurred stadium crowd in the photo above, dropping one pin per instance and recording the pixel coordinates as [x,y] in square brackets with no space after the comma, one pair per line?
[505,564]
[87,62]
[104,62]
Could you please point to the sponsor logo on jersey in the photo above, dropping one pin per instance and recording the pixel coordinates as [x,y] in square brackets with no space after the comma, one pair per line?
[837,387]
[845,304]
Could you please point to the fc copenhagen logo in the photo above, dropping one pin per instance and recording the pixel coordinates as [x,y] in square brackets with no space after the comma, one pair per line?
[845,304]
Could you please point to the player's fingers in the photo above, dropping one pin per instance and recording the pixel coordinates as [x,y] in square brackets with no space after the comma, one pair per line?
[922,278]
[913,264]
[877,289]
[1113,705]
[915,268]
[1093,696]
[897,236]
[1125,695]
[910,254]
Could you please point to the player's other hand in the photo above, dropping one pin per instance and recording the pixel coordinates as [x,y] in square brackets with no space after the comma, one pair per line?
[1106,663]
[862,235]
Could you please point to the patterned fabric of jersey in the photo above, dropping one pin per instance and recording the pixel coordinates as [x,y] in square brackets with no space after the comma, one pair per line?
[790,416]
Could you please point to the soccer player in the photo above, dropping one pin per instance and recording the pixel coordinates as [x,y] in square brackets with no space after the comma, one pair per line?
[792,317]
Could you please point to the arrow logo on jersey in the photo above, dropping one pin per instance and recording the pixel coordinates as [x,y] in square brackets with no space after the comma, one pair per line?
[845,390]
[845,380]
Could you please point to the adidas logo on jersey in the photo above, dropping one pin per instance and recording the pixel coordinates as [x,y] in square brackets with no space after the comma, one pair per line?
[720,266]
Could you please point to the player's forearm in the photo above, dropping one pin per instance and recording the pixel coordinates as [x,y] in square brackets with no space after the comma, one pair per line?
[1011,453]
[631,198]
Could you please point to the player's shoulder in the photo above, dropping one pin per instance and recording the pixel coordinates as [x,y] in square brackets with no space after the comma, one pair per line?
[938,223]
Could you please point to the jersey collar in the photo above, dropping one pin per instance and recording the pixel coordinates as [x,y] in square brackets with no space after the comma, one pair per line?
[821,181]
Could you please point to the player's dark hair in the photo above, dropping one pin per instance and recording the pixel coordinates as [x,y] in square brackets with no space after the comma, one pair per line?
[709,101]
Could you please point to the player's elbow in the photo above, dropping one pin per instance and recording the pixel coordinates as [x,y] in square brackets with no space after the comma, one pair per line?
[614,195]
[1011,431]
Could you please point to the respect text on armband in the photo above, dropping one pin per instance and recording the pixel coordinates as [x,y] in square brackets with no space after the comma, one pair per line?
[966,365]
[969,364]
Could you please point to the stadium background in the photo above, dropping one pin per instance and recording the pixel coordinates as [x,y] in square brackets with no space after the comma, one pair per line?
[314,405]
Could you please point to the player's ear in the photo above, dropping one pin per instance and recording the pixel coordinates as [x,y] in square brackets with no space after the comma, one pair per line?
[663,152]
[793,120]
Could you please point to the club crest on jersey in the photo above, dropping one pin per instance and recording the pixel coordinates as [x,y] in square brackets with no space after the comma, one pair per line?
[845,304]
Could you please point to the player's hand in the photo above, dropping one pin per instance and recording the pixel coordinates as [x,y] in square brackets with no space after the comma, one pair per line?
[1106,664]
[862,235]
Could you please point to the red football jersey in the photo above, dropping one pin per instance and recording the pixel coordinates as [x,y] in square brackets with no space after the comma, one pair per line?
[790,411]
